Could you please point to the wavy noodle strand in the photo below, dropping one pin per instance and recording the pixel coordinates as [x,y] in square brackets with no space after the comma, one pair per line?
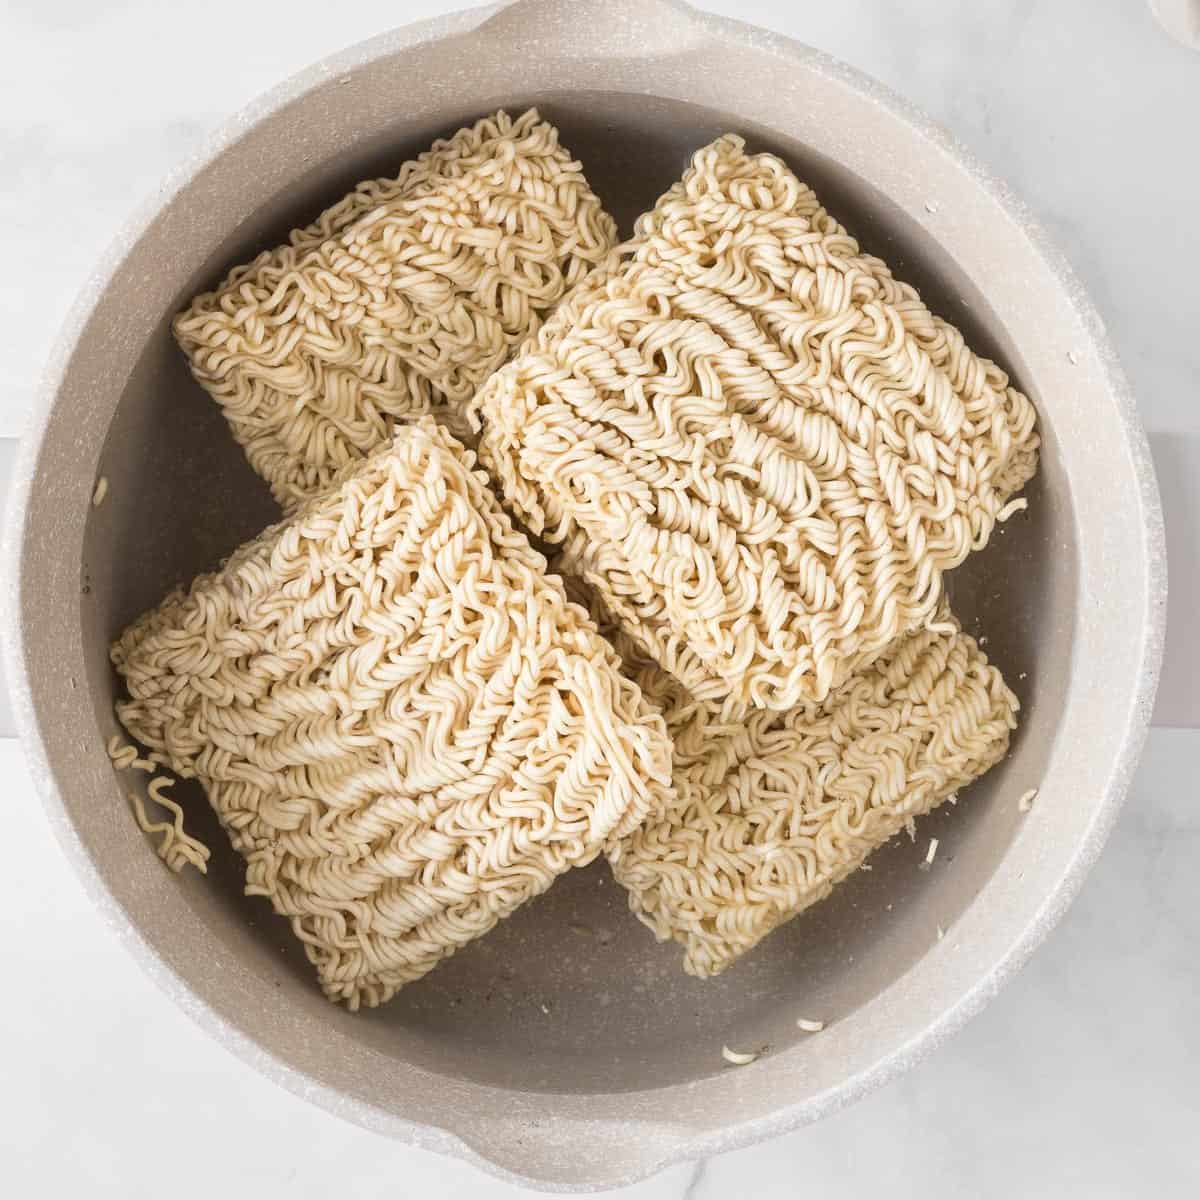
[773,809]
[396,302]
[759,447]
[404,726]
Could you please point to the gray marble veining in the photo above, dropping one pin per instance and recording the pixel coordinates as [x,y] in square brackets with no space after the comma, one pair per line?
[1077,1080]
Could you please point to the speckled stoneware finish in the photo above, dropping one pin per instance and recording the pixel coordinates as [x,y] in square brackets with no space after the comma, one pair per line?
[567,1049]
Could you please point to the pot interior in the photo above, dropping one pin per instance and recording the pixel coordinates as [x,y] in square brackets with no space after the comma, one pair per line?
[572,994]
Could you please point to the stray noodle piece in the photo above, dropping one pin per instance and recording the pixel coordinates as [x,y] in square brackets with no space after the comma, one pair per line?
[177,848]
[100,492]
[739,1058]
[810,1026]
[402,724]
[773,810]
[1026,801]
[125,757]
[398,301]
[759,447]
[929,855]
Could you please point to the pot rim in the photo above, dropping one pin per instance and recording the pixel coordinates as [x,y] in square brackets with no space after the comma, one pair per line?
[690,1144]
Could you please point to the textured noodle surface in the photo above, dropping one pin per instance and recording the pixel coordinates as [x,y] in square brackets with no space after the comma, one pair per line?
[403,724]
[398,301]
[773,809]
[760,448]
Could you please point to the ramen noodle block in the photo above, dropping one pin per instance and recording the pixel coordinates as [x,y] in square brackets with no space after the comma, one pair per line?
[773,809]
[404,726]
[760,448]
[396,302]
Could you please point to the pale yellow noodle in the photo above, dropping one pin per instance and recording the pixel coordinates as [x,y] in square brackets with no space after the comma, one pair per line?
[398,301]
[758,446]
[773,809]
[177,848]
[402,723]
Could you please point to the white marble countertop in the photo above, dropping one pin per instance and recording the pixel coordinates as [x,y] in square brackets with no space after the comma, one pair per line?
[1082,1077]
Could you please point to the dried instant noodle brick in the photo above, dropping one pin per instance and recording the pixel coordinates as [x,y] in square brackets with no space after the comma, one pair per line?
[773,809]
[760,448]
[404,726]
[398,301]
